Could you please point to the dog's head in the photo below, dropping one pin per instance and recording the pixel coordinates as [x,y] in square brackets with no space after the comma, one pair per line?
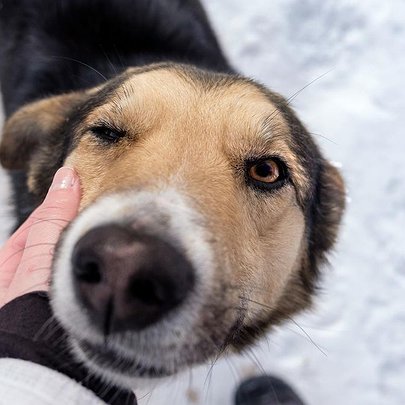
[207,210]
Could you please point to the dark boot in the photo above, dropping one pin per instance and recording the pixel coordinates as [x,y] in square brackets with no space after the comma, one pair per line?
[266,390]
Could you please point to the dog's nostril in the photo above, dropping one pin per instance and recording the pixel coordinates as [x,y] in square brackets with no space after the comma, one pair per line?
[87,270]
[147,292]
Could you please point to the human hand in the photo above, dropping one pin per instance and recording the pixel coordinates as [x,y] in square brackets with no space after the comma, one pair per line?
[26,258]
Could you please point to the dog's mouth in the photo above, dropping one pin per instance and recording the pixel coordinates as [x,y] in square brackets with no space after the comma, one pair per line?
[105,357]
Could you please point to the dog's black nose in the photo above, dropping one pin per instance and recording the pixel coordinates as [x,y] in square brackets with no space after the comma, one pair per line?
[129,281]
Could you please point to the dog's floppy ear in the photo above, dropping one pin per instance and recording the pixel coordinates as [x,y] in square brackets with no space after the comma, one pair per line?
[327,210]
[31,126]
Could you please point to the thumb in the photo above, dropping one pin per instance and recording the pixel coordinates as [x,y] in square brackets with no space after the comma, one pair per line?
[48,221]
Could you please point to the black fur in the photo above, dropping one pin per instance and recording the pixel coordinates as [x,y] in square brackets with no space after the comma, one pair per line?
[46,44]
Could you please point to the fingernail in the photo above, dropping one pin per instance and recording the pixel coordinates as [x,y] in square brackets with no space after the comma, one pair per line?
[64,179]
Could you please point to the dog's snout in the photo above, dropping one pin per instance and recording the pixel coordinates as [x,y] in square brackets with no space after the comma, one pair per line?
[129,281]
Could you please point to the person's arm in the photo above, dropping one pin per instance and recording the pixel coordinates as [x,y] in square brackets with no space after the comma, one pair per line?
[32,343]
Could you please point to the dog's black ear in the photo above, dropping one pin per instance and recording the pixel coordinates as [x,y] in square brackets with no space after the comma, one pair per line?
[331,198]
[32,125]
[327,209]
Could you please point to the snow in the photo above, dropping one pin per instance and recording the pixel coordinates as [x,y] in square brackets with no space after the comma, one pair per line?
[354,113]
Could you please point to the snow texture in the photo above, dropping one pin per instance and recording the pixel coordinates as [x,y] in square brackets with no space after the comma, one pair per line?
[351,348]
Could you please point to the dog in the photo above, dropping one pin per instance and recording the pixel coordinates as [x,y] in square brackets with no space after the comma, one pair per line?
[207,209]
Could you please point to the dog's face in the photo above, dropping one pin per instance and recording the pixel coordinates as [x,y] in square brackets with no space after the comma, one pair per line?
[206,211]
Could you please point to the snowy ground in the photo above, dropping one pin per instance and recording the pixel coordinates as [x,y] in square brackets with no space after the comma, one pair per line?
[359,321]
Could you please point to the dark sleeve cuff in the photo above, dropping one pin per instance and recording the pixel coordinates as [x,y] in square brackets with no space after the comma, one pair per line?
[29,331]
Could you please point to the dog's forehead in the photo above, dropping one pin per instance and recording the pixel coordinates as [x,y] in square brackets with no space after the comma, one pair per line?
[181,96]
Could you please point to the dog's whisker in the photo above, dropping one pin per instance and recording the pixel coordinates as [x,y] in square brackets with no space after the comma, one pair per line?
[293,321]
[307,335]
[297,93]
[118,54]
[289,100]
[324,137]
[252,355]
[207,383]
[146,395]
[112,66]
[220,351]
[233,368]
[81,63]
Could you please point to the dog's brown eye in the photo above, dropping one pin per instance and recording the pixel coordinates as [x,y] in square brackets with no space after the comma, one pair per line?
[107,134]
[266,174]
[266,171]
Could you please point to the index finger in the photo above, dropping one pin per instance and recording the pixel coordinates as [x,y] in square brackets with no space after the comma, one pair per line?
[50,218]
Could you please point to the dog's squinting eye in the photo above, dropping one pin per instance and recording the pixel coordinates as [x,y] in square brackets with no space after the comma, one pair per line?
[267,173]
[107,134]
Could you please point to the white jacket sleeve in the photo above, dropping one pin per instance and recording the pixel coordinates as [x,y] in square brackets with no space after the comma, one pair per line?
[26,383]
